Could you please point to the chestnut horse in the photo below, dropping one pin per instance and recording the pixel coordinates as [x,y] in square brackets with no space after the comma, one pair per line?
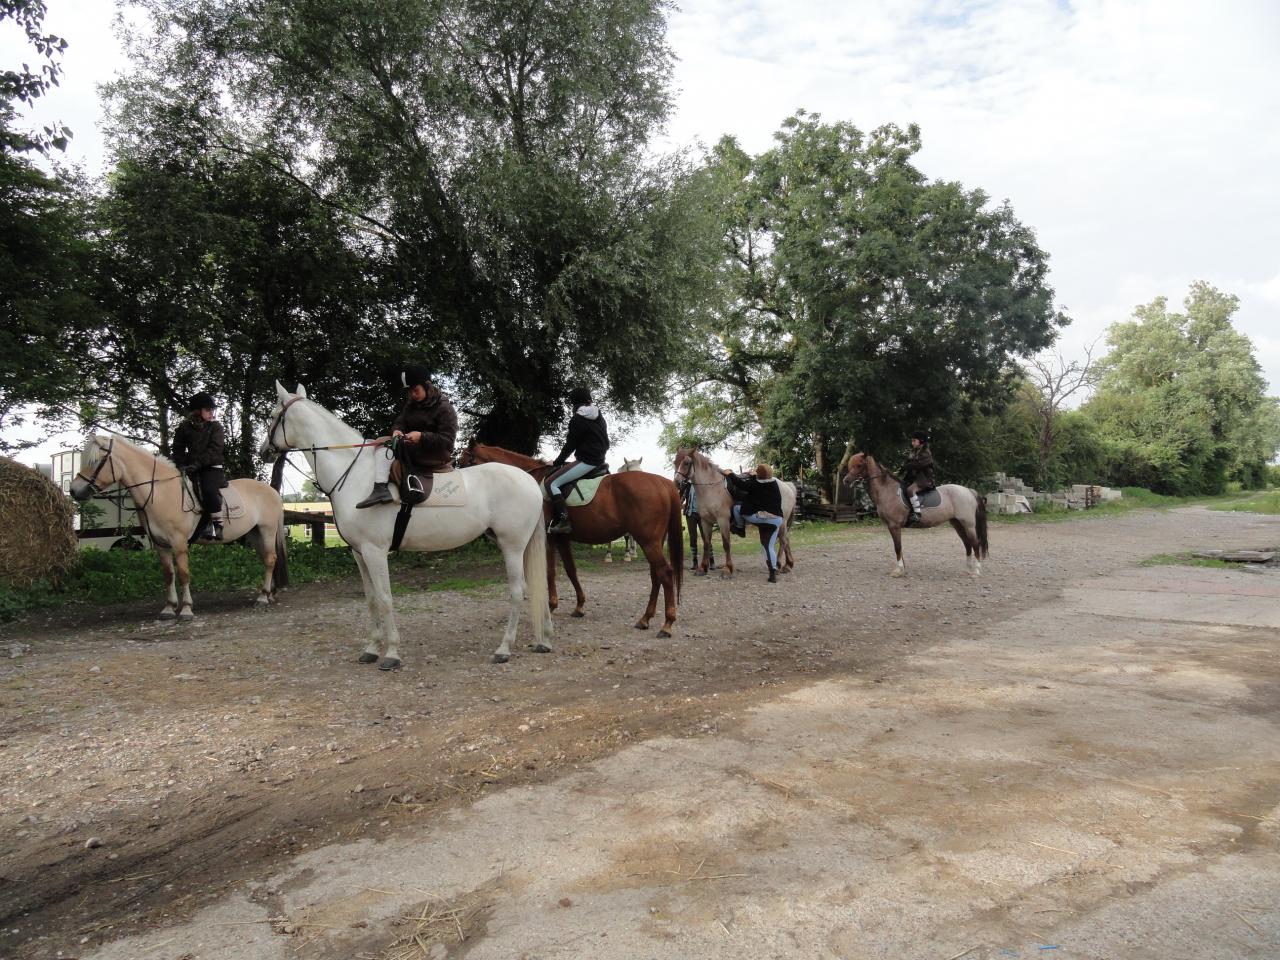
[642,504]
[963,508]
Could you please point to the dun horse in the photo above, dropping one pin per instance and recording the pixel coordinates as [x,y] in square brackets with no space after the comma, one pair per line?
[169,515]
[496,499]
[644,505]
[715,506]
[963,508]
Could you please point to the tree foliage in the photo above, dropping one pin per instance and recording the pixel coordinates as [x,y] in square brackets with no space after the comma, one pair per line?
[1182,398]
[498,151]
[860,300]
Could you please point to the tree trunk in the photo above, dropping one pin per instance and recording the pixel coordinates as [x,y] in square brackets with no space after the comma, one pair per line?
[820,462]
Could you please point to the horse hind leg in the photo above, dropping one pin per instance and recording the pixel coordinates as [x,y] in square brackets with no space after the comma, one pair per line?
[266,549]
[182,562]
[513,560]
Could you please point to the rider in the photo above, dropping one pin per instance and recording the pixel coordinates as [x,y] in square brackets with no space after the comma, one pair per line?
[689,498]
[197,451]
[428,424]
[917,474]
[588,441]
[758,500]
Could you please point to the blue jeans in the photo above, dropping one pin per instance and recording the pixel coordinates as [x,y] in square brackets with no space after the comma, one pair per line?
[570,474]
[761,521]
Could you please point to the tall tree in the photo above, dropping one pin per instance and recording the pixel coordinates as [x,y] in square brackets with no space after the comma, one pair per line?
[863,300]
[1182,396]
[499,149]
[1056,380]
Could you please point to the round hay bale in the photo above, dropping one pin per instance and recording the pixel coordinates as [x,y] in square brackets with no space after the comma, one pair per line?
[37,540]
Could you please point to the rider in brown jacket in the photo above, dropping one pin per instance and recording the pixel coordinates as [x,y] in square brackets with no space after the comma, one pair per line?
[197,450]
[917,474]
[428,425]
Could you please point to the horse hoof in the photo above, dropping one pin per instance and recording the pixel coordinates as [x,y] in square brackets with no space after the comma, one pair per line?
[501,657]
[389,663]
[167,615]
[664,634]
[578,613]
[541,648]
[367,658]
[186,617]
[627,559]
[642,626]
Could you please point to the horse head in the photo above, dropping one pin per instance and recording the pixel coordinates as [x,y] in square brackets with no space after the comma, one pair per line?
[276,441]
[94,457]
[856,470]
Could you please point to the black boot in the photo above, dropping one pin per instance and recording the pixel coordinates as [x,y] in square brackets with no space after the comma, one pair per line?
[773,575]
[379,495]
[559,517]
[215,530]
[693,562]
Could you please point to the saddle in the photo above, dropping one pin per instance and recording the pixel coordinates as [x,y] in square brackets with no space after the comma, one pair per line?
[415,488]
[927,498]
[582,491]
[232,501]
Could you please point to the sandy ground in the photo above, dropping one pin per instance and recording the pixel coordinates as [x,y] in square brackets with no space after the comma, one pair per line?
[1073,757]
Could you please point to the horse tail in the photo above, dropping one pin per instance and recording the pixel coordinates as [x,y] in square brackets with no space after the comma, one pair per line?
[280,572]
[980,521]
[535,577]
[675,540]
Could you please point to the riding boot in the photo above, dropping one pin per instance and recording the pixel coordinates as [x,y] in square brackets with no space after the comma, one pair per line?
[559,517]
[693,560]
[773,575]
[379,495]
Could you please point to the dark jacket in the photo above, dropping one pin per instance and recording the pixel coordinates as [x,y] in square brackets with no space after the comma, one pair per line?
[919,469]
[588,437]
[438,421]
[757,495]
[198,443]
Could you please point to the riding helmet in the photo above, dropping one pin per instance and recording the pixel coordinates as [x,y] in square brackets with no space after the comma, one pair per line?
[200,401]
[415,376]
[579,397]
[920,435]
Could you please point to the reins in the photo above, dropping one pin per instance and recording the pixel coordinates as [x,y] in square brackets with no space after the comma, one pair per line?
[288,447]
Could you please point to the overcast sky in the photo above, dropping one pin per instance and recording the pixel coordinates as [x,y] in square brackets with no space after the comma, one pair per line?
[1139,139]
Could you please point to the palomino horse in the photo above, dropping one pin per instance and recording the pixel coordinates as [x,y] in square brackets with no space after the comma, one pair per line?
[642,504]
[964,508]
[715,506]
[497,499]
[170,515]
[628,542]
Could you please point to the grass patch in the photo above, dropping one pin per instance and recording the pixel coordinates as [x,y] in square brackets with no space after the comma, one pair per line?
[1184,560]
[1268,502]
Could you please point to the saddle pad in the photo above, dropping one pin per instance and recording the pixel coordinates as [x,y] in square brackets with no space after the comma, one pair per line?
[930,498]
[580,492]
[232,501]
[444,488]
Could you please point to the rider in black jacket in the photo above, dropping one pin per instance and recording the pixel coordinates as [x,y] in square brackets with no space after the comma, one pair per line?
[197,450]
[587,441]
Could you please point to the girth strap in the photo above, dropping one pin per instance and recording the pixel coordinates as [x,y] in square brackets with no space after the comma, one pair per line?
[402,524]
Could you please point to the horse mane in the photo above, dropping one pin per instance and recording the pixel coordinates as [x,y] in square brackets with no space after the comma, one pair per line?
[101,440]
[521,460]
[884,471]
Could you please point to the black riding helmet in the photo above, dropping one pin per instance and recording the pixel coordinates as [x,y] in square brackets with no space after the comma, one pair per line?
[415,376]
[921,436]
[200,401]
[579,397]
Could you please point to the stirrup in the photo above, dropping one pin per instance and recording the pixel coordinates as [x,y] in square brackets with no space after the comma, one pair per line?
[560,525]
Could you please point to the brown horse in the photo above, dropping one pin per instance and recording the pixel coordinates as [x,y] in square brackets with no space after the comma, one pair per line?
[964,508]
[644,505]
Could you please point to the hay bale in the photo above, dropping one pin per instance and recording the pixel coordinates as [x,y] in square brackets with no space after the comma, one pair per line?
[37,540]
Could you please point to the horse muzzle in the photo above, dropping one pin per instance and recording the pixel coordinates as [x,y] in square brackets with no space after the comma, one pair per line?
[80,491]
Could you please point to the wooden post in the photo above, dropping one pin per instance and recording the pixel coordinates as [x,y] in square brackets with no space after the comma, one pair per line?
[317,534]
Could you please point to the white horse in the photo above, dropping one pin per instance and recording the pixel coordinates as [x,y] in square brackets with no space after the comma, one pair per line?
[499,499]
[628,542]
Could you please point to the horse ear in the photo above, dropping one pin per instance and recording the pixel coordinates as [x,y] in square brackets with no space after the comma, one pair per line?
[641,460]
[302,391]
[281,393]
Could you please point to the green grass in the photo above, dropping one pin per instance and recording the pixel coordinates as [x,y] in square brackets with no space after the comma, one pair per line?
[1184,560]
[1268,502]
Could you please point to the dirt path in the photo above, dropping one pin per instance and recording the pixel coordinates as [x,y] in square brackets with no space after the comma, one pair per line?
[1060,752]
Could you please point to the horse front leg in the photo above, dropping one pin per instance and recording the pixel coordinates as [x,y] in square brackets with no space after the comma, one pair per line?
[380,600]
[170,610]
[374,646]
[182,562]
[565,546]
[901,569]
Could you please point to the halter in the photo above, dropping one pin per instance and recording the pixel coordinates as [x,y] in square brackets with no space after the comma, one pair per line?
[687,475]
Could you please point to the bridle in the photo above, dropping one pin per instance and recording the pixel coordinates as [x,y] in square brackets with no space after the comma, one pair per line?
[278,423]
[686,475]
[92,479]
